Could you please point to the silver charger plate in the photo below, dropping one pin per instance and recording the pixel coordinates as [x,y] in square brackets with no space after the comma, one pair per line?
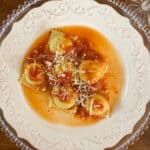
[139,21]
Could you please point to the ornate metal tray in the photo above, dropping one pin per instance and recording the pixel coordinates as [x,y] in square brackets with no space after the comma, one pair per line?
[138,12]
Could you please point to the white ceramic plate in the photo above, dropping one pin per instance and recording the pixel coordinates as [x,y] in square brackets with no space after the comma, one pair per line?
[135,58]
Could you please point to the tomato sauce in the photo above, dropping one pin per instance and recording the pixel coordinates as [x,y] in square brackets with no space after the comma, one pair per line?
[92,46]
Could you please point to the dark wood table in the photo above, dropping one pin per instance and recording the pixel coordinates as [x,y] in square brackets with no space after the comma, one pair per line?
[6,7]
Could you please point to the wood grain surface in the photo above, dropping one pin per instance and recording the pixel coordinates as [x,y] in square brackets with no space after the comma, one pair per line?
[6,7]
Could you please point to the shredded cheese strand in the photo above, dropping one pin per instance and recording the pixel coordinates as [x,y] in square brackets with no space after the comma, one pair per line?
[91,107]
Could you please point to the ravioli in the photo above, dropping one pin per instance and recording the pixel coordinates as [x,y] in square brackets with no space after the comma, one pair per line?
[63,98]
[92,71]
[58,42]
[33,76]
[53,105]
[97,105]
